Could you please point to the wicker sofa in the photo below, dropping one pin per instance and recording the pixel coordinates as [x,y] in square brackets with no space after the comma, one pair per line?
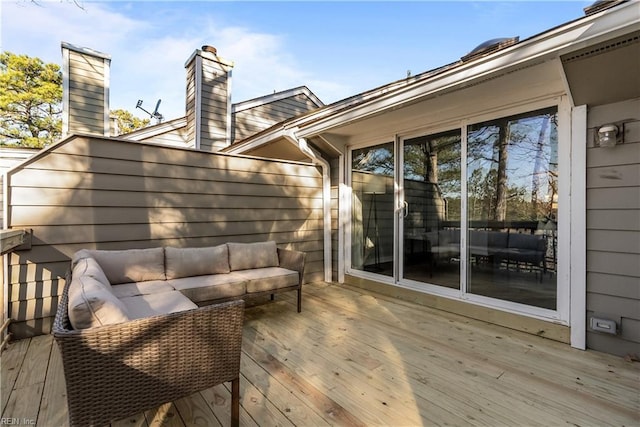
[137,328]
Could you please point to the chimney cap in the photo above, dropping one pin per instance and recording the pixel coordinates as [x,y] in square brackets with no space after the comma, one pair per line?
[84,50]
[210,53]
[210,49]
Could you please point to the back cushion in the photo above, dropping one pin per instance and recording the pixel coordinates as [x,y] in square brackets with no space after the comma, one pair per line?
[131,265]
[92,304]
[526,241]
[243,256]
[187,262]
[89,267]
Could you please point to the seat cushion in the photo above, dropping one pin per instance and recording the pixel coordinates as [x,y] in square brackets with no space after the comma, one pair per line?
[206,288]
[92,304]
[187,262]
[156,304]
[244,256]
[129,265]
[270,278]
[141,288]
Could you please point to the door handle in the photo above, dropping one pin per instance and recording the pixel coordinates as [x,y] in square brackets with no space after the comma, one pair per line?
[405,208]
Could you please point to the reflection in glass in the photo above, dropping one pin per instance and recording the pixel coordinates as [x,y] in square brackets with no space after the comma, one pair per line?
[432,209]
[372,227]
[512,182]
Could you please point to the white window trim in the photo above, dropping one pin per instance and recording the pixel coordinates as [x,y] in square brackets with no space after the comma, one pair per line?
[578,261]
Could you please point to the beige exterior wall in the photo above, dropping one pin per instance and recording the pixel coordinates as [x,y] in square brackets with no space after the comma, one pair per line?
[174,138]
[173,133]
[110,194]
[613,229]
[253,120]
[208,101]
[10,157]
[86,83]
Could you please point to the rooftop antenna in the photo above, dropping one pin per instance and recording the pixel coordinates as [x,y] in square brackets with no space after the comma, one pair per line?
[155,115]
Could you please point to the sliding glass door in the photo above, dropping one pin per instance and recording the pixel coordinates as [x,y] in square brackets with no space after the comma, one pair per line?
[469,213]
[372,209]
[512,187]
[432,209]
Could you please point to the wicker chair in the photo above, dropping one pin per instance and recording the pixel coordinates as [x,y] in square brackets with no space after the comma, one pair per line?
[116,371]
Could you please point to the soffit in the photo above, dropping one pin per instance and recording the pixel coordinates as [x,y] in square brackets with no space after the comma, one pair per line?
[280,148]
[605,73]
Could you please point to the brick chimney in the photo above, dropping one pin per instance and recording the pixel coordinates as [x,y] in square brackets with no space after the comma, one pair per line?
[85,93]
[208,100]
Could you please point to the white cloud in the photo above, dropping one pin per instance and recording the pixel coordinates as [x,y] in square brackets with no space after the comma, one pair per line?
[148,54]
[36,29]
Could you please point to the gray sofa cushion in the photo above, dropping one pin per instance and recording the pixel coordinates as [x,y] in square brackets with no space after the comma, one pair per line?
[187,262]
[155,304]
[141,288]
[130,265]
[205,288]
[245,256]
[266,279]
[92,304]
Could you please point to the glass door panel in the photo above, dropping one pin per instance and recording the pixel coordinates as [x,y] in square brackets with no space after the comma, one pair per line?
[512,185]
[431,221]
[372,216]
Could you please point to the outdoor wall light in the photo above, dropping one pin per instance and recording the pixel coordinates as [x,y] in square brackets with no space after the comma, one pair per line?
[608,135]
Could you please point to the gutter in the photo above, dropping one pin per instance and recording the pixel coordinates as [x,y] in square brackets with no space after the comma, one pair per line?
[301,143]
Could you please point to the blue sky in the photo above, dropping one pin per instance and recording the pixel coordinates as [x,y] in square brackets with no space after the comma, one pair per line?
[335,48]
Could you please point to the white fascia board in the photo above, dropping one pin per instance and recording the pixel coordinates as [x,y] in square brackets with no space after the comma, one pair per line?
[554,42]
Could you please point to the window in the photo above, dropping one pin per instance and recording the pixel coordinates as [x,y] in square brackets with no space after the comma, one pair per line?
[512,186]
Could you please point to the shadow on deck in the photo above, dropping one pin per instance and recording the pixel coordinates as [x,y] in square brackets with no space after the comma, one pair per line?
[357,358]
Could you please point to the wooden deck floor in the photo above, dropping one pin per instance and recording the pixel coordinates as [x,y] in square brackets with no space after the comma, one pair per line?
[355,358]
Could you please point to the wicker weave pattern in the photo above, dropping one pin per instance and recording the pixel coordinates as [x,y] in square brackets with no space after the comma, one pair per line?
[119,370]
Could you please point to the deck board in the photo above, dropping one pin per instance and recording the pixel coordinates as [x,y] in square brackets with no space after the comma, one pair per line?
[355,358]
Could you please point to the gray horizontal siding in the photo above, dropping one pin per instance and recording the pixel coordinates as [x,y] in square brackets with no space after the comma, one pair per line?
[87,104]
[175,138]
[253,120]
[613,230]
[10,157]
[214,107]
[100,193]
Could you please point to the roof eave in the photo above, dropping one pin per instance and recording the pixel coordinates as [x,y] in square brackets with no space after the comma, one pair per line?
[557,41]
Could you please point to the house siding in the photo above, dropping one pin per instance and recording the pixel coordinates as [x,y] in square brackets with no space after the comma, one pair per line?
[613,230]
[86,107]
[191,103]
[215,107]
[174,138]
[10,157]
[105,194]
[253,120]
